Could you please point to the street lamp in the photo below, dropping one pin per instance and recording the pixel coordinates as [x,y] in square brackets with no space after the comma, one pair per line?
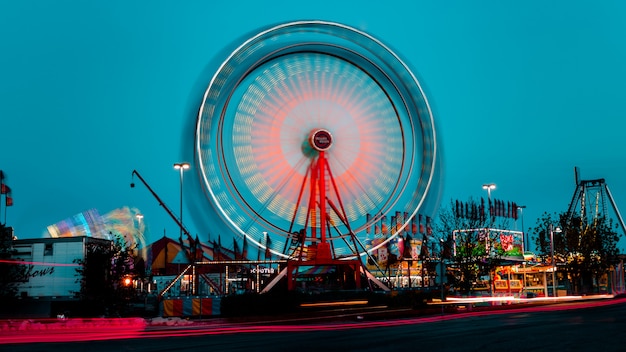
[441,242]
[552,231]
[521,210]
[489,187]
[181,167]
[524,238]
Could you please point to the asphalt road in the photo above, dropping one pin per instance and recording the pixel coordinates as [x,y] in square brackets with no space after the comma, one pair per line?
[566,327]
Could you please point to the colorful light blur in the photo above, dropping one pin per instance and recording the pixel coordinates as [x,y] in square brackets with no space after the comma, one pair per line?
[123,224]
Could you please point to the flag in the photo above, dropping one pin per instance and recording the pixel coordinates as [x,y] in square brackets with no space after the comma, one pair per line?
[217,250]
[268,253]
[8,201]
[399,221]
[219,245]
[235,248]
[420,248]
[244,248]
[184,248]
[406,218]
[407,247]
[4,189]
[482,209]
[196,249]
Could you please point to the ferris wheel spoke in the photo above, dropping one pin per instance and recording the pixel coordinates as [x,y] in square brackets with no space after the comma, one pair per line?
[354,187]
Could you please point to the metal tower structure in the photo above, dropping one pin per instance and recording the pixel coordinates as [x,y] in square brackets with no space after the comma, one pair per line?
[590,201]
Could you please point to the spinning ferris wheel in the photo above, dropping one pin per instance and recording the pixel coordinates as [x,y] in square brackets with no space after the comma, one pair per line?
[311,132]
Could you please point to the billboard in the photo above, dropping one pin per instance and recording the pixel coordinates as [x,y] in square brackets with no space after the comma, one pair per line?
[488,242]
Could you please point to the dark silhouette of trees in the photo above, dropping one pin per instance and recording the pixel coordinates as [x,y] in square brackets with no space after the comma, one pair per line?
[11,272]
[105,277]
[583,251]
[472,250]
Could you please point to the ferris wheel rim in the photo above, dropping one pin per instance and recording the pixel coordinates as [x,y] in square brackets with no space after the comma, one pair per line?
[429,125]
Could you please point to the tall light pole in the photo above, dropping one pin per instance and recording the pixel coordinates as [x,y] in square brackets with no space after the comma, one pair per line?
[489,187]
[524,235]
[552,231]
[181,167]
[441,269]
[525,239]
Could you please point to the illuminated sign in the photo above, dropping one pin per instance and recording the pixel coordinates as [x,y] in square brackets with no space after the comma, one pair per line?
[263,270]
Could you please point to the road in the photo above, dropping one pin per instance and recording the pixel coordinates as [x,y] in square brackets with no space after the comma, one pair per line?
[578,326]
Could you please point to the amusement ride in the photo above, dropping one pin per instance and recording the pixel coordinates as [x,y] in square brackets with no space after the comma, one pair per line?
[308,135]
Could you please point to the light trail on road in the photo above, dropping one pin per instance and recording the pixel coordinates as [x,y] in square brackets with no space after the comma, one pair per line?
[118,329]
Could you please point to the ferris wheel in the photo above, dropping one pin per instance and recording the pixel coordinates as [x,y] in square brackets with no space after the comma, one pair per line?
[315,131]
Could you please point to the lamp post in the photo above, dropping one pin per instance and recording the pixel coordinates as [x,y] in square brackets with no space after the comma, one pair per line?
[181,167]
[521,210]
[552,231]
[139,229]
[525,239]
[489,187]
[441,269]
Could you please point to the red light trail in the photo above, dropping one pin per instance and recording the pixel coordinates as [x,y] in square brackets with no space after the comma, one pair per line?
[74,330]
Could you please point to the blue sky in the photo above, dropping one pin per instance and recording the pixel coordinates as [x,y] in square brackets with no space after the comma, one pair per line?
[91,90]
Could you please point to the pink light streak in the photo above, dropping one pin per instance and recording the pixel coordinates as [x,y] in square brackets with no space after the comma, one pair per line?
[23,262]
[69,330]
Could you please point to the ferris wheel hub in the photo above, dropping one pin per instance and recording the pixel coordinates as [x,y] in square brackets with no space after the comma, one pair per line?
[321,139]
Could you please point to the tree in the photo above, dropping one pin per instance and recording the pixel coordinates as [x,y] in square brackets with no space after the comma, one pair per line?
[11,272]
[584,251]
[103,277]
[474,251]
